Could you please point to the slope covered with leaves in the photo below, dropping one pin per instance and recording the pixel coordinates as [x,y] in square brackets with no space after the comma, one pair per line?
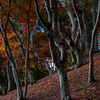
[48,87]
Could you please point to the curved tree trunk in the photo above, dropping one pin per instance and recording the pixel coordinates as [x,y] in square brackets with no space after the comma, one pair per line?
[56,43]
[61,65]
[91,74]
[93,21]
[81,23]
[15,73]
[11,60]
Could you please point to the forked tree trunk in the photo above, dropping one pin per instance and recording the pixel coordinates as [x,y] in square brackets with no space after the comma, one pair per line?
[91,74]
[15,73]
[81,23]
[9,55]
[61,65]
[54,39]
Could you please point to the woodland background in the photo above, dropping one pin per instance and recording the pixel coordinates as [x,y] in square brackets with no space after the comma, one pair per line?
[40,37]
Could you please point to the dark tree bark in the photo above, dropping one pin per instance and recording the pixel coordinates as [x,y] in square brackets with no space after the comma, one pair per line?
[87,31]
[8,76]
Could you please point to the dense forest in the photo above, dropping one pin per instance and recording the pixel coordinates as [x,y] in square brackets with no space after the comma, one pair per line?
[39,37]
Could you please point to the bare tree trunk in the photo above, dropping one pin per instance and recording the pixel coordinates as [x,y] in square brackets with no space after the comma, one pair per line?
[17,81]
[64,86]
[91,74]
[81,23]
[8,76]
[32,81]
[10,58]
[55,42]
[16,60]
[96,42]
[15,73]
[73,20]
[87,32]
[27,51]
[93,21]
[61,66]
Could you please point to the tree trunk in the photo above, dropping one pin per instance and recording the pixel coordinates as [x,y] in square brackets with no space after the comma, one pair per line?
[17,68]
[87,32]
[17,81]
[80,59]
[8,76]
[64,86]
[73,20]
[32,81]
[15,73]
[96,43]
[57,47]
[61,65]
[93,21]
[91,74]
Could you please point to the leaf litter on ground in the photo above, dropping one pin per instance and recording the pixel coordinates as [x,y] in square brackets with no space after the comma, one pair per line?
[48,88]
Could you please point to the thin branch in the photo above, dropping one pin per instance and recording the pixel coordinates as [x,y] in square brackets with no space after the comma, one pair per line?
[39,15]
[21,45]
[47,5]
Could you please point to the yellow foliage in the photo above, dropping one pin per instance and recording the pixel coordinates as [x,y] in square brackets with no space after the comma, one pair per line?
[10,35]
[15,51]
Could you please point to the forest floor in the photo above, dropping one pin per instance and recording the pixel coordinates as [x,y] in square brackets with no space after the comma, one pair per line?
[48,87]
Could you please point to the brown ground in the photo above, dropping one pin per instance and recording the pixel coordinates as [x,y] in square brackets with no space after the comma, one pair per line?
[48,87]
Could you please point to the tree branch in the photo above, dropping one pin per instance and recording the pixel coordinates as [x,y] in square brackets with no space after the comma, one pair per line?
[21,45]
[39,15]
